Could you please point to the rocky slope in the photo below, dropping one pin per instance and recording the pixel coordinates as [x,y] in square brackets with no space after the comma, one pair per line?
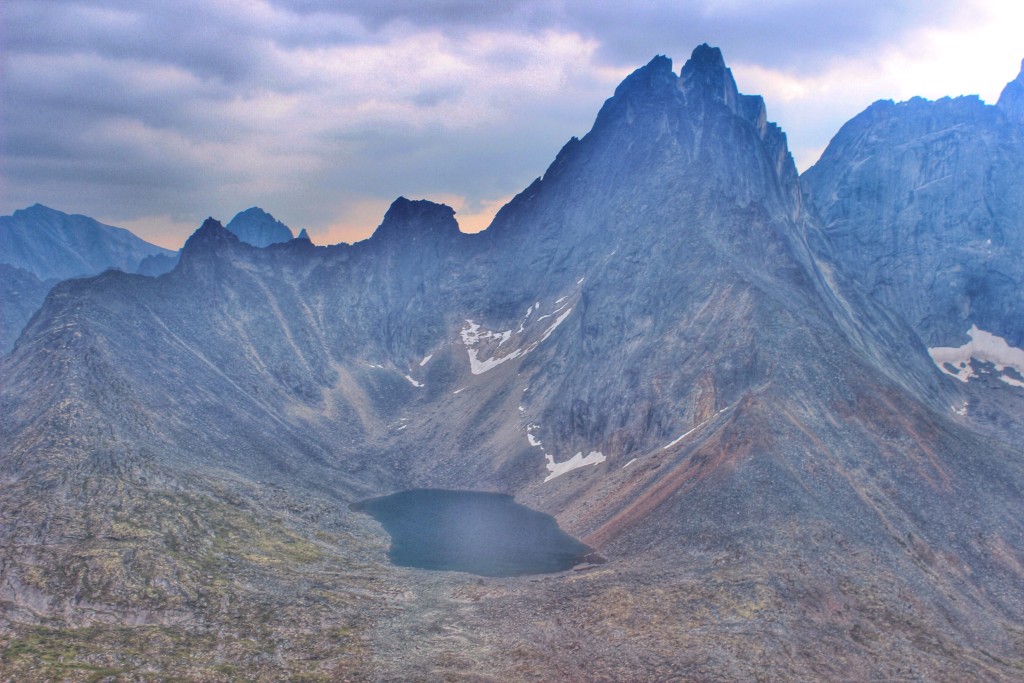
[653,341]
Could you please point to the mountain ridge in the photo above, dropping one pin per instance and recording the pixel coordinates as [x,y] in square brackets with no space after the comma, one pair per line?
[72,245]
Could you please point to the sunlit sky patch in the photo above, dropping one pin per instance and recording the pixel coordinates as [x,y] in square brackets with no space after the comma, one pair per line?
[152,115]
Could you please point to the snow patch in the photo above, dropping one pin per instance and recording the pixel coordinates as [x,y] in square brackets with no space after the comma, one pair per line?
[426,359]
[558,321]
[412,381]
[473,335]
[557,469]
[479,367]
[629,463]
[985,347]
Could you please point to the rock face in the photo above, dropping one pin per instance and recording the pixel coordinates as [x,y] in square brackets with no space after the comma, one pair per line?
[1011,101]
[257,227]
[653,342]
[40,246]
[922,202]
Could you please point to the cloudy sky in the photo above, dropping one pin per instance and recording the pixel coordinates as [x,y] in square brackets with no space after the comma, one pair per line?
[152,114]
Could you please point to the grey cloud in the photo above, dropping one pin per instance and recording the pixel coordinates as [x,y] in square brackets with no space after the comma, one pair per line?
[435,96]
[797,36]
[74,71]
[207,39]
[216,40]
[434,13]
[793,35]
[108,90]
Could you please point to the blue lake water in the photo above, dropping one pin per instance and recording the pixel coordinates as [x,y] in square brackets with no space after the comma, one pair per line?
[488,534]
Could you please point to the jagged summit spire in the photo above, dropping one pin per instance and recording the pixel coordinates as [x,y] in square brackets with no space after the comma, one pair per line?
[696,117]
[654,75]
[706,73]
[705,57]
[704,78]
[211,234]
[1011,101]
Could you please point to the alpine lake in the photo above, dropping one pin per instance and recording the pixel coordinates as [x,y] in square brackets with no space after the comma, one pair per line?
[487,534]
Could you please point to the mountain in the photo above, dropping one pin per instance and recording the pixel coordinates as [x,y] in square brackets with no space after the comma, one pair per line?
[258,228]
[922,203]
[654,342]
[40,246]
[53,244]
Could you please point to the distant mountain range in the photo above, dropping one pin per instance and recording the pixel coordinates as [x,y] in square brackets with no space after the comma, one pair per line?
[52,244]
[786,410]
[41,246]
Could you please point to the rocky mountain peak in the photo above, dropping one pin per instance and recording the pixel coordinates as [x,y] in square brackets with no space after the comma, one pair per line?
[37,210]
[705,74]
[1011,101]
[258,228]
[210,236]
[664,124]
[654,76]
[408,220]
[303,235]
